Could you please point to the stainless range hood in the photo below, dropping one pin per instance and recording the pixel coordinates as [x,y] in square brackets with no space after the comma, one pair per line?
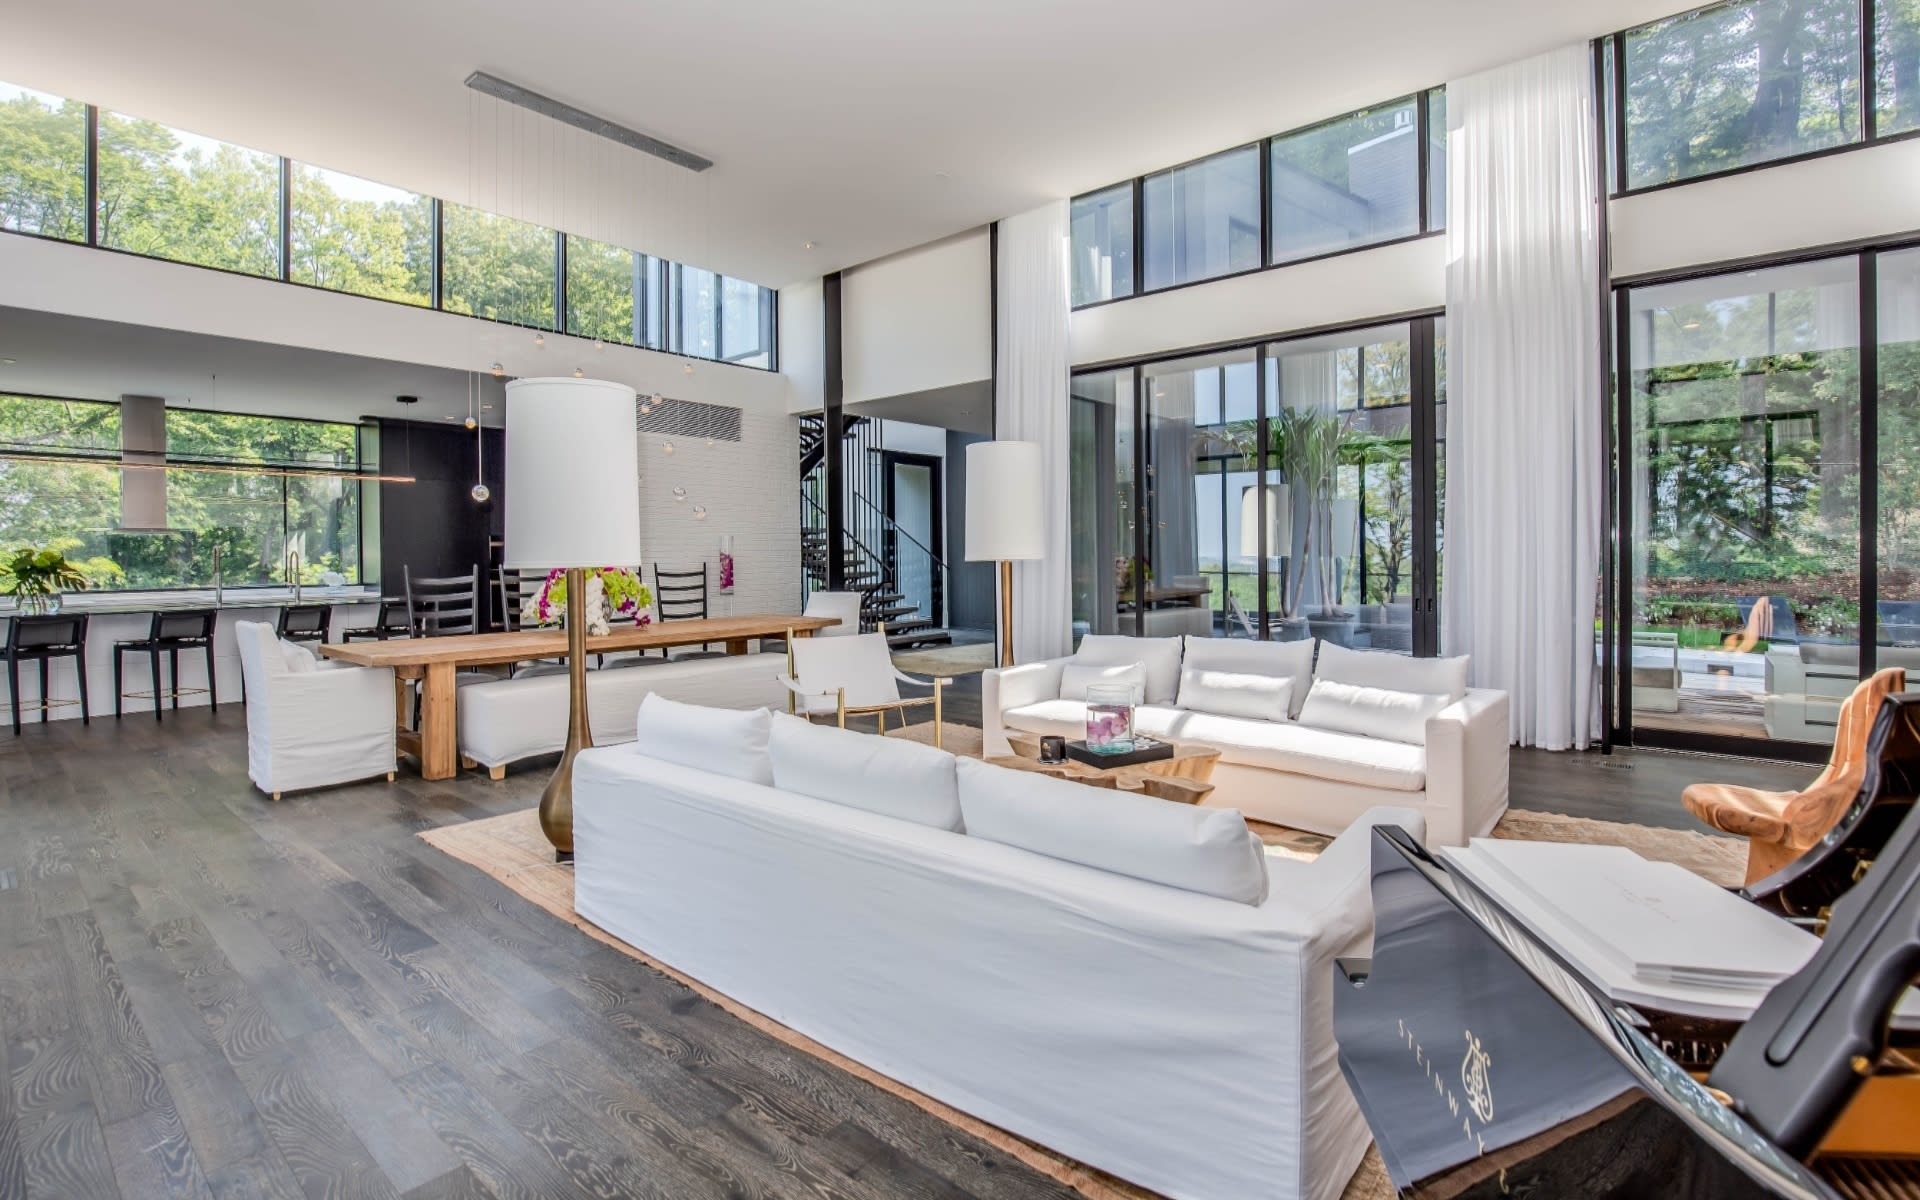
[143,449]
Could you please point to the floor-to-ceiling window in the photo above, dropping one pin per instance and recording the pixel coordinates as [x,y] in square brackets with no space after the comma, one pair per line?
[1340,416]
[1284,490]
[1896,596]
[1741,464]
[1200,456]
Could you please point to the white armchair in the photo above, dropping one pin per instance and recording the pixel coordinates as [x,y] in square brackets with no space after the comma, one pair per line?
[852,675]
[312,724]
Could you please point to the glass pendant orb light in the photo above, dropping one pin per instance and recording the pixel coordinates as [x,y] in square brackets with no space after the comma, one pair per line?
[498,370]
[699,512]
[539,339]
[666,448]
[578,373]
[679,495]
[481,493]
[598,344]
[471,423]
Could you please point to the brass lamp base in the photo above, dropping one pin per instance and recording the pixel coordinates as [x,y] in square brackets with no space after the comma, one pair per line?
[556,802]
[1006,613]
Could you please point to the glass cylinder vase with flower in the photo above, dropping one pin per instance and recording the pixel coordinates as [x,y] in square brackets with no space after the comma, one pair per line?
[1110,718]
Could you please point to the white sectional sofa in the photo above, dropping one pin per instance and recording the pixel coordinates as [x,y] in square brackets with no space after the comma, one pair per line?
[509,719]
[1389,730]
[1131,982]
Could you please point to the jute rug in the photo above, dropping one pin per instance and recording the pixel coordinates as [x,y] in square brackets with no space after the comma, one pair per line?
[946,660]
[512,849]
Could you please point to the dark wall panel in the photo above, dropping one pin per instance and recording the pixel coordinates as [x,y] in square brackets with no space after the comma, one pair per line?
[971,604]
[433,524]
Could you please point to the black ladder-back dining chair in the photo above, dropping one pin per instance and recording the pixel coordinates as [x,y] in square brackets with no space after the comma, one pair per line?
[443,606]
[305,623]
[390,623]
[513,587]
[42,639]
[170,633]
[681,596]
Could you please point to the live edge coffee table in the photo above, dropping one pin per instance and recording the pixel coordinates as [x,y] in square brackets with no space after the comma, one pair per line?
[1184,778]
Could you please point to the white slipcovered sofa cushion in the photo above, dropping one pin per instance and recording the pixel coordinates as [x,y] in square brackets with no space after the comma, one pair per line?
[1235,694]
[891,776]
[1371,711]
[1076,678]
[1293,747]
[1281,660]
[1205,850]
[725,741]
[1160,656]
[1394,672]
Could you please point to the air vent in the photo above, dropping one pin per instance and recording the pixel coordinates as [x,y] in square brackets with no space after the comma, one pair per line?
[689,419]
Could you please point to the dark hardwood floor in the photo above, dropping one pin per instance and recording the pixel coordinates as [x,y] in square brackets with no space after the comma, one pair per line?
[204,993]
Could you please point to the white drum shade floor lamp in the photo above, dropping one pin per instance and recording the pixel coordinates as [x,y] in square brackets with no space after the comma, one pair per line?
[573,503]
[1005,523]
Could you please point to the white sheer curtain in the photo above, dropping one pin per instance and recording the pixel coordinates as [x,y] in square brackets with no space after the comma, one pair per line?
[1524,407]
[1030,405]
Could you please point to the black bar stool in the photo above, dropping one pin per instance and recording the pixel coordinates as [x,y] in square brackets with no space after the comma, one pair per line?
[42,639]
[171,632]
[391,623]
[305,623]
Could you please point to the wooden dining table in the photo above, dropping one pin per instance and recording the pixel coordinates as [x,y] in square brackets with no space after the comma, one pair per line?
[434,661]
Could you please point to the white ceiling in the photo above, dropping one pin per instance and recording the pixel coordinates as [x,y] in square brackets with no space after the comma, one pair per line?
[82,359]
[866,126]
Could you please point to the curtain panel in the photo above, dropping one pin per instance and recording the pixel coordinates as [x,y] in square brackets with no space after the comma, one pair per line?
[1030,405]
[1524,415]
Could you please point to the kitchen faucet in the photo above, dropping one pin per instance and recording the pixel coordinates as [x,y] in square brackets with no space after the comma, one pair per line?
[293,573]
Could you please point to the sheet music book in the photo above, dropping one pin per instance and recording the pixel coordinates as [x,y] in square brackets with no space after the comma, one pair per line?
[1657,924]
[1645,933]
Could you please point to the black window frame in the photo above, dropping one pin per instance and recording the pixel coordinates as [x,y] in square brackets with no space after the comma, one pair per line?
[1420,97]
[1614,121]
[662,306]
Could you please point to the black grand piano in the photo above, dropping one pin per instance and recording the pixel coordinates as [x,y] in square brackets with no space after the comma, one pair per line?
[1489,1066]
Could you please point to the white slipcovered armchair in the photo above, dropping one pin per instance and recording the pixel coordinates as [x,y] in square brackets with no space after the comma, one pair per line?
[312,724]
[839,676]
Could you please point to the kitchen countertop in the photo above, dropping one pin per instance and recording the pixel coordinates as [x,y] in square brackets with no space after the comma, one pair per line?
[129,603]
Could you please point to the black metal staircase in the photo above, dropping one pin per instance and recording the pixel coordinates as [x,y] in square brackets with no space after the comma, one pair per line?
[876,551]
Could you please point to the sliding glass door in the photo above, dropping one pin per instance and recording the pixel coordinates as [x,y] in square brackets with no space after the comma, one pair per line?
[1769,506]
[1283,491]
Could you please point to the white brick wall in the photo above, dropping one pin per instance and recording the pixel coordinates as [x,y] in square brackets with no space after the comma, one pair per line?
[751,491]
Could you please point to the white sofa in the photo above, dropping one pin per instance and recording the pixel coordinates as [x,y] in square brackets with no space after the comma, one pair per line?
[505,720]
[1178,1039]
[1452,769]
[311,723]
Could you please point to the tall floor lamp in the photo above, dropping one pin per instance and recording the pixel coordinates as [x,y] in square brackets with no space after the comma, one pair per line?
[1005,520]
[573,502]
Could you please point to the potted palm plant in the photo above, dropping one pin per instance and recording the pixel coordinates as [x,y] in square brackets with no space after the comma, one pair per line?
[36,577]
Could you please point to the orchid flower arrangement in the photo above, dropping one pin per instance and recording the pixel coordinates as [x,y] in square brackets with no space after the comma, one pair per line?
[622,592]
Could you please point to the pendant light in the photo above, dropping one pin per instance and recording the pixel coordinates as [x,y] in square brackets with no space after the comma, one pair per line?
[481,493]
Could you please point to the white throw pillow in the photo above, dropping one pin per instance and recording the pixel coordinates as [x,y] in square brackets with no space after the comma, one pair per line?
[725,741]
[1206,850]
[298,658]
[1226,694]
[1372,712]
[1394,672]
[890,776]
[1160,656]
[1075,679]
[1283,660]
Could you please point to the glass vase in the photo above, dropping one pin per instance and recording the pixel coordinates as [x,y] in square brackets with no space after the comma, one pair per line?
[1110,718]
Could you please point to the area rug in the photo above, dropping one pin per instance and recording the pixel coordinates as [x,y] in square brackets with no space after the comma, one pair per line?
[946,660]
[512,849]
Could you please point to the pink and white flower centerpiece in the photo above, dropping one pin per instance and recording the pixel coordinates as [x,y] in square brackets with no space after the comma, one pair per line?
[611,592]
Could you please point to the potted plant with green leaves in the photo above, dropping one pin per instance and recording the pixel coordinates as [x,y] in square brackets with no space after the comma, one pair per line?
[36,577]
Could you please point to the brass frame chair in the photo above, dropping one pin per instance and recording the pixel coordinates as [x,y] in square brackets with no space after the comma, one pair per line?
[853,676]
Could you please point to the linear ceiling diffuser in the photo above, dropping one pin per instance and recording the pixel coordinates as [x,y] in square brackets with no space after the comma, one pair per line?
[547,106]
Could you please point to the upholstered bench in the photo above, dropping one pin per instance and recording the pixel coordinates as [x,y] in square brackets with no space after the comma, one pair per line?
[512,719]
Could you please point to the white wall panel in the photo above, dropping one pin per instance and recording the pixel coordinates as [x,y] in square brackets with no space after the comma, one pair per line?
[919,320]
